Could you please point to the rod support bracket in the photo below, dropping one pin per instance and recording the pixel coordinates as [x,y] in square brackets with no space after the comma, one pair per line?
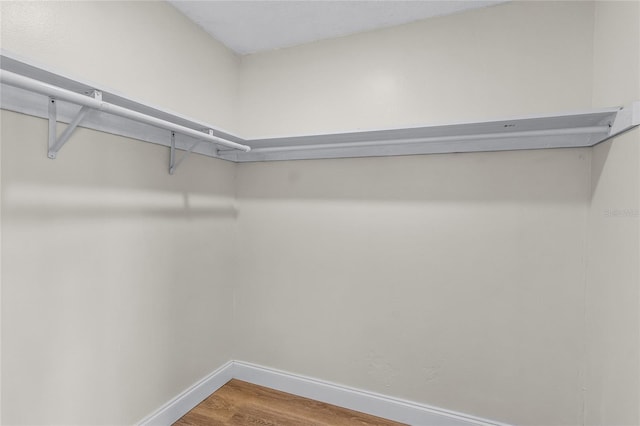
[56,143]
[95,94]
[172,155]
[173,162]
[53,121]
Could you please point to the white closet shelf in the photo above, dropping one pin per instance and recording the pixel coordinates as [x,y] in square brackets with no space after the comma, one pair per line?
[551,131]
[30,89]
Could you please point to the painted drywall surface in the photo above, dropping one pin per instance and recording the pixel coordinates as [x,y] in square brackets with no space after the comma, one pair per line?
[613,371]
[612,385]
[116,279]
[146,50]
[519,58]
[116,276]
[452,280]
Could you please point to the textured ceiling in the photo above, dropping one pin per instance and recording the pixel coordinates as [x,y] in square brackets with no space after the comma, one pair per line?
[253,26]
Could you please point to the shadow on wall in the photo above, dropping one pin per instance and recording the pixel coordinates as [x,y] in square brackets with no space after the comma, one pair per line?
[624,153]
[543,176]
[622,148]
[57,202]
[100,175]
[601,152]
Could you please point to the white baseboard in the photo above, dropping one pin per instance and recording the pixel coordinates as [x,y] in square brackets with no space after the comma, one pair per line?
[170,412]
[343,396]
[354,399]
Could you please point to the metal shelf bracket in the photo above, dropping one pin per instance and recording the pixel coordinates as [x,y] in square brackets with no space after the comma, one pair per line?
[173,163]
[55,142]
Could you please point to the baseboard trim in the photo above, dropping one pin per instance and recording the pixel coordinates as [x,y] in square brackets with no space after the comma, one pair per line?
[354,399]
[170,412]
[396,409]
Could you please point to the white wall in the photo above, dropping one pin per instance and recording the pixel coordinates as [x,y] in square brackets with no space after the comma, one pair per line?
[116,277]
[146,50]
[453,280]
[613,269]
[512,59]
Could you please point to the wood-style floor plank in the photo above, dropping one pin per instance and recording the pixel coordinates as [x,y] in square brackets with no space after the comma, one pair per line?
[242,403]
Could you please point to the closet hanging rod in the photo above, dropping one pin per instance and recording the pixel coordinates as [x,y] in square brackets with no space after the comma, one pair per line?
[16,80]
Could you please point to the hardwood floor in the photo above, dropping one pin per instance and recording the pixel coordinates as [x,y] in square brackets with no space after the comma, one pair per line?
[242,403]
